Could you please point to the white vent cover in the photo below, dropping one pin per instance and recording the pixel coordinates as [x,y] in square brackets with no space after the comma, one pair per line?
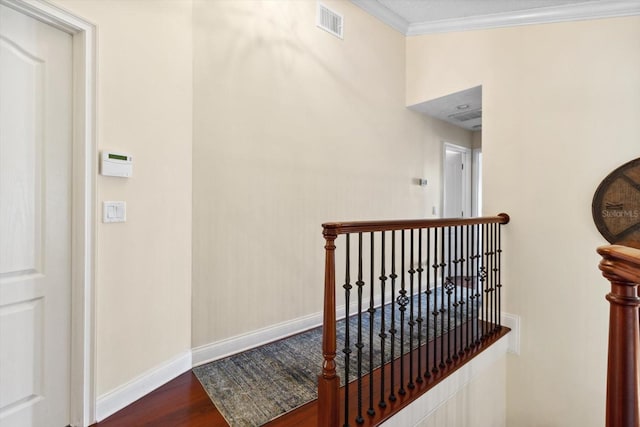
[329,20]
[467,115]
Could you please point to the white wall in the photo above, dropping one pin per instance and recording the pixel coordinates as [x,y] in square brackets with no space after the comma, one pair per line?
[561,104]
[143,267]
[294,127]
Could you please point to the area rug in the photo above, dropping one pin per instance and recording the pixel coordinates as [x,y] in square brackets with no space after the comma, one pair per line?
[254,387]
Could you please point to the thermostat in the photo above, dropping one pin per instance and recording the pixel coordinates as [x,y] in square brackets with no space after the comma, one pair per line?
[116,164]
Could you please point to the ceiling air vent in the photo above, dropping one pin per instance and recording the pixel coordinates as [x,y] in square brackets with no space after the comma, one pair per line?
[329,20]
[467,115]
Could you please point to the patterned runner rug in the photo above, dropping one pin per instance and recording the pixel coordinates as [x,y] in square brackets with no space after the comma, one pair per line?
[253,387]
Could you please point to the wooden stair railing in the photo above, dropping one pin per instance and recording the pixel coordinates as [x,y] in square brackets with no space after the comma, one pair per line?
[621,266]
[486,276]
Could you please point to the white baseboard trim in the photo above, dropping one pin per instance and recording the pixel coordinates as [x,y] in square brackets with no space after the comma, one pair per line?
[239,343]
[420,409]
[124,395]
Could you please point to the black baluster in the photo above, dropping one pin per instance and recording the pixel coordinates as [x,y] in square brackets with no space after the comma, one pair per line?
[461,287]
[392,331]
[435,311]
[412,322]
[347,346]
[456,267]
[359,345]
[496,285]
[468,282]
[485,281]
[499,276]
[479,282]
[443,264]
[372,312]
[448,285]
[419,319]
[383,335]
[427,372]
[402,302]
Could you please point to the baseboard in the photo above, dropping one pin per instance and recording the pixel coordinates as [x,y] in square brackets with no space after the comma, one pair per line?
[124,395]
[220,349]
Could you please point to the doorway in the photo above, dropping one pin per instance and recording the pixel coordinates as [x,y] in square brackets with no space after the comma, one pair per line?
[47,179]
[456,181]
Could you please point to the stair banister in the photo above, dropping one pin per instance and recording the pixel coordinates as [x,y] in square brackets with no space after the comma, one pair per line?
[329,410]
[621,266]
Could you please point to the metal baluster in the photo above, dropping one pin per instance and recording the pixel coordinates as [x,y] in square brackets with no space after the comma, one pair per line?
[412,322]
[372,312]
[494,270]
[485,274]
[427,372]
[449,288]
[359,345]
[392,331]
[419,320]
[347,346]
[402,302]
[383,335]
[435,300]
[443,264]
[479,282]
[499,276]
[456,304]
[496,284]
[462,287]
[468,284]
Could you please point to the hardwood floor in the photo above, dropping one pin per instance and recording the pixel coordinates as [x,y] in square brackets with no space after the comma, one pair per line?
[181,402]
[184,403]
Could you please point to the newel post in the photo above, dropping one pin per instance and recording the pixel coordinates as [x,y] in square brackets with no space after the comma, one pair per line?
[328,380]
[623,371]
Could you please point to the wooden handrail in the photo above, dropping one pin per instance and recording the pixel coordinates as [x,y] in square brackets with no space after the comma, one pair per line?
[336,228]
[621,266]
[328,379]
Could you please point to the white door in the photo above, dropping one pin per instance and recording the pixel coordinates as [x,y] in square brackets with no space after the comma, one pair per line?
[35,216]
[456,182]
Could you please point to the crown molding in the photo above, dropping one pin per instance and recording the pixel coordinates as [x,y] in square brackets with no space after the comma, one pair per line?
[543,15]
[385,15]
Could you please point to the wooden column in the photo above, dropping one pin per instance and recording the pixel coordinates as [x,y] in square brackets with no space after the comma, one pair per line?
[328,380]
[621,266]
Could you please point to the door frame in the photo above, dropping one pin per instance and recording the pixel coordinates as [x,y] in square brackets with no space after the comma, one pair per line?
[83,204]
[466,182]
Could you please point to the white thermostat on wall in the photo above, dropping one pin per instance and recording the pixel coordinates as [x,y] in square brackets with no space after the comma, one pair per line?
[116,164]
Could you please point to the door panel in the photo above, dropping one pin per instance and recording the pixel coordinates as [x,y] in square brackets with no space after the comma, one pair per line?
[453,191]
[35,214]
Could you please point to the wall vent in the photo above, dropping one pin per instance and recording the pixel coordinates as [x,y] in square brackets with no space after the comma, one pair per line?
[330,21]
[467,115]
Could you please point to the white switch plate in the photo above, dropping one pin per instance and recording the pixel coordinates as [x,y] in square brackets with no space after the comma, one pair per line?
[114,212]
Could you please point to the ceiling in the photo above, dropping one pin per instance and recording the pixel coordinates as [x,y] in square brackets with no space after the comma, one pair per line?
[415,17]
[462,109]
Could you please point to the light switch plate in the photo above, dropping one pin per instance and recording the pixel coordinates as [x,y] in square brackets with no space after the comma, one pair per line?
[114,212]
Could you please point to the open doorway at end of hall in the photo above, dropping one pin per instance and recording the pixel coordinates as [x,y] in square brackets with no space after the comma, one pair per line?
[462,180]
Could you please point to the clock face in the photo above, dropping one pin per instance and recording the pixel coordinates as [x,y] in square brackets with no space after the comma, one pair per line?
[616,205]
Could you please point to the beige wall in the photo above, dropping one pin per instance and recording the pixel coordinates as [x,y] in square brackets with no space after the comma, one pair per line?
[479,403]
[561,104]
[294,127]
[143,267]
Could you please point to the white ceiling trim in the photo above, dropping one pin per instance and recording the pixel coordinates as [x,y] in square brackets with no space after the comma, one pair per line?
[390,18]
[573,12]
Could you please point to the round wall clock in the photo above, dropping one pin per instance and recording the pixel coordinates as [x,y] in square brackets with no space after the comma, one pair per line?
[616,205]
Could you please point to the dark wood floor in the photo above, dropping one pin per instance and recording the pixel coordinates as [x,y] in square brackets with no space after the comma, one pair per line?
[184,403]
[181,402]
